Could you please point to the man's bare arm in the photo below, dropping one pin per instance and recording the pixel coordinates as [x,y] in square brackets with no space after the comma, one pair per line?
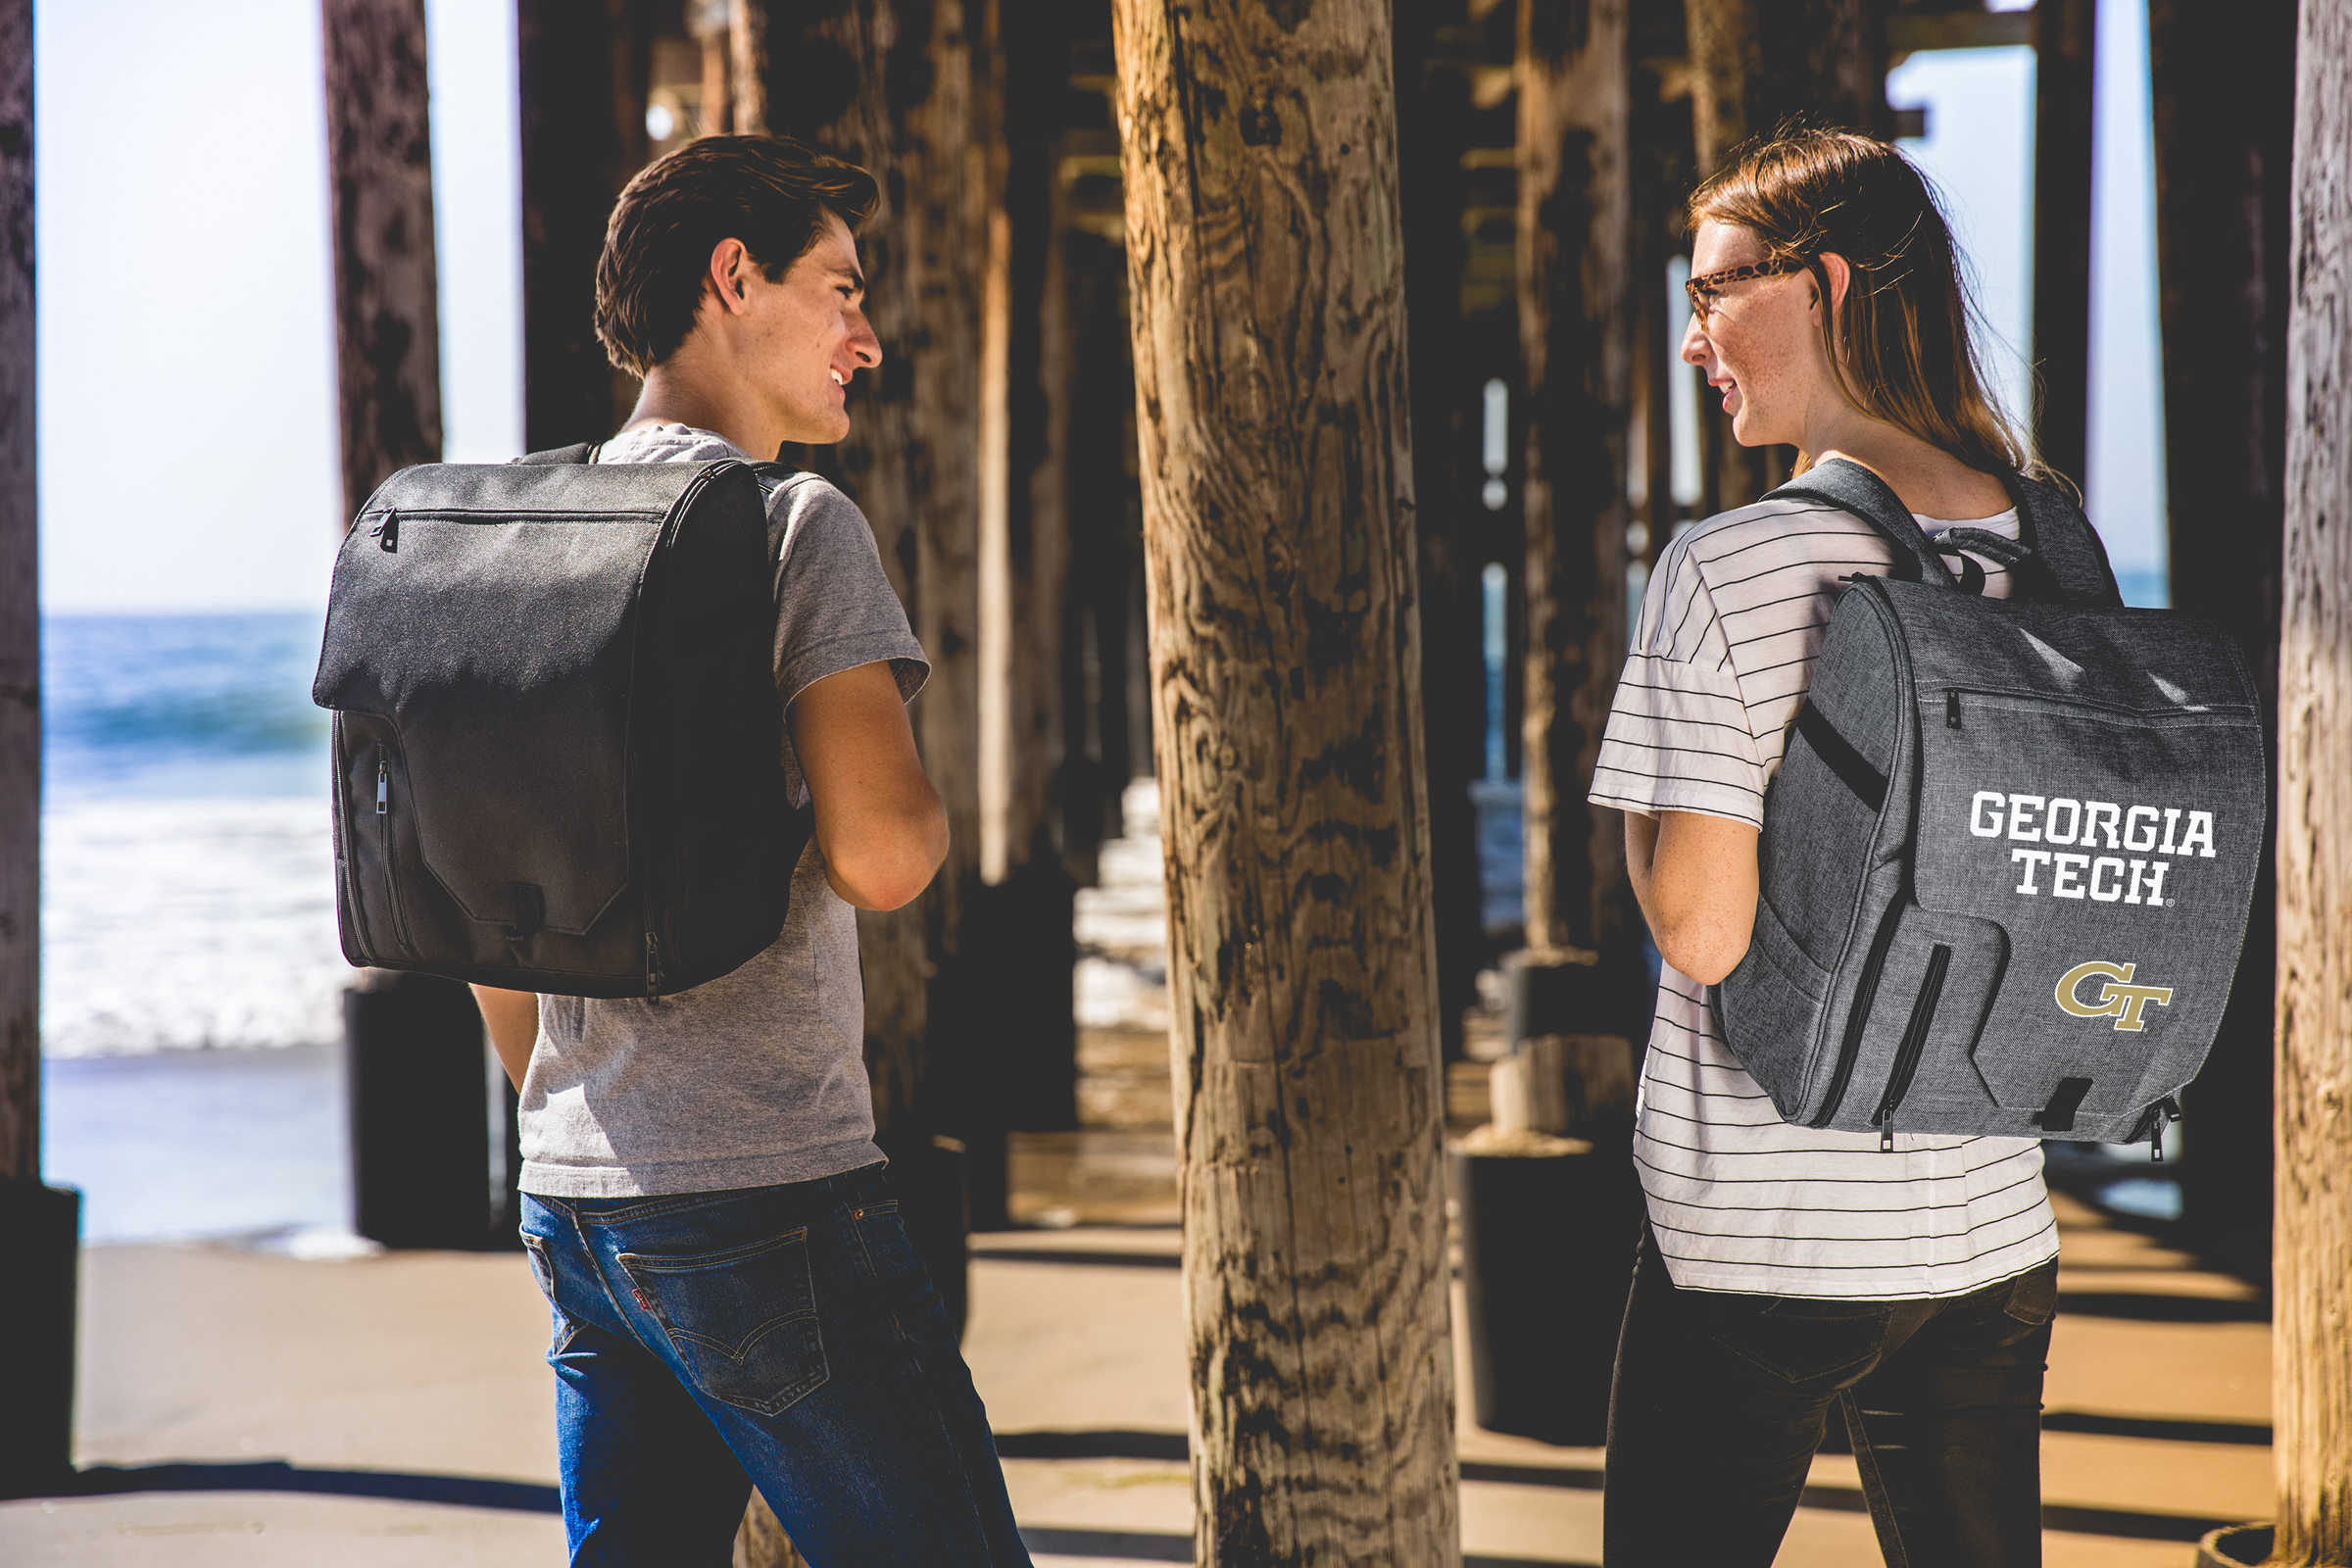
[1697,878]
[879,823]
[512,1020]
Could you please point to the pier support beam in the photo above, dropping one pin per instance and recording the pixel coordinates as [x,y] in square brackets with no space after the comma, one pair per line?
[42,1223]
[2312,1379]
[581,86]
[2065,36]
[1576,247]
[379,151]
[1757,65]
[2224,96]
[1266,262]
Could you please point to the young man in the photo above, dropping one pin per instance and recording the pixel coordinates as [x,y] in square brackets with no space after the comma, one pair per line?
[735,1299]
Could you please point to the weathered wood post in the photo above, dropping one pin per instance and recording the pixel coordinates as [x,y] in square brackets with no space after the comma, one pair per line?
[1757,65]
[2312,1367]
[890,88]
[2064,37]
[1266,269]
[1021,927]
[2223,93]
[42,1224]
[581,98]
[381,177]
[1576,246]
[1581,973]
[414,1070]
[1433,132]
[19,622]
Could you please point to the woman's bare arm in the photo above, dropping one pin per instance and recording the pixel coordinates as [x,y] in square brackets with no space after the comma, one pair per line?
[1695,876]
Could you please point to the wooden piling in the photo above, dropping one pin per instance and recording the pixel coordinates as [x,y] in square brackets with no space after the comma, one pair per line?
[1264,254]
[2065,34]
[911,457]
[42,1224]
[1433,133]
[1756,68]
[379,150]
[581,85]
[19,622]
[1021,925]
[2222,95]
[1575,254]
[2312,1368]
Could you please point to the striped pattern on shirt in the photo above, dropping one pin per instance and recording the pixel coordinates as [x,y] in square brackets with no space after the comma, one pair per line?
[1739,1199]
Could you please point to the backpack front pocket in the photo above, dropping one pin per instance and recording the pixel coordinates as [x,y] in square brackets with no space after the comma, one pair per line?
[1914,1022]
[380,837]
[2118,849]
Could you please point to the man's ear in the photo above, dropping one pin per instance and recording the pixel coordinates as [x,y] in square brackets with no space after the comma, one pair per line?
[730,269]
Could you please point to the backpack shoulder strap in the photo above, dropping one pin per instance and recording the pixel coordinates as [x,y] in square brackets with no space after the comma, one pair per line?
[1851,487]
[579,452]
[2070,562]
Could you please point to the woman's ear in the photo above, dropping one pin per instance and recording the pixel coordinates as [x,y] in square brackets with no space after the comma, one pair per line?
[1841,276]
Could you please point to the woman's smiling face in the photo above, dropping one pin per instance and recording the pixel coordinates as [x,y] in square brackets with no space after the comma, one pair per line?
[1760,341]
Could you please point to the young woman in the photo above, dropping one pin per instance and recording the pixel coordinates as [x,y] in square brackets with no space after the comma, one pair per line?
[1787,1269]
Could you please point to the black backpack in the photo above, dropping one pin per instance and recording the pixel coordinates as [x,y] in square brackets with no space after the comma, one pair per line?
[557,748]
[2008,858]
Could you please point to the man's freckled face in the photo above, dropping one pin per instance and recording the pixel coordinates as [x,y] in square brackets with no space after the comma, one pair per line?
[813,336]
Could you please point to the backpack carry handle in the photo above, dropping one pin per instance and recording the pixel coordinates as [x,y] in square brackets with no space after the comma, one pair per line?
[2058,557]
[578,452]
[1850,487]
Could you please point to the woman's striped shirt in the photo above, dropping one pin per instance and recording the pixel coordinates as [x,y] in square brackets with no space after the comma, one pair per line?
[1739,1199]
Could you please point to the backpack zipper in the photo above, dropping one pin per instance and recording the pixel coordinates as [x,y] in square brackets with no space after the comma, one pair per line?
[383,835]
[1914,1044]
[1866,992]
[2167,1112]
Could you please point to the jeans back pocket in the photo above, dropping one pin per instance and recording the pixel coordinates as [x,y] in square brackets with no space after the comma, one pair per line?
[543,1270]
[742,1320]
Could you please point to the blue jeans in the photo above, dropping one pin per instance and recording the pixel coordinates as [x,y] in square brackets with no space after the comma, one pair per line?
[785,1336]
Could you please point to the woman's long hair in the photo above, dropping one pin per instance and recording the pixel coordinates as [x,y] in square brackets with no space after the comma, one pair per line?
[1900,347]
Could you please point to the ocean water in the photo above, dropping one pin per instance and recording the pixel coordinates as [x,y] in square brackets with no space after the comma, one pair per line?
[187,869]
[190,975]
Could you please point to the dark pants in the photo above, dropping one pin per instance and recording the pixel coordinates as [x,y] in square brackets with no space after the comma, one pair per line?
[780,1335]
[1720,1401]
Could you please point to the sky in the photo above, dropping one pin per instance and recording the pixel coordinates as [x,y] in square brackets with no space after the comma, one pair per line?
[186,383]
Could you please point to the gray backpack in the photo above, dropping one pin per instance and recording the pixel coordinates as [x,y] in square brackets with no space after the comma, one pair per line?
[2006,874]
[556,740]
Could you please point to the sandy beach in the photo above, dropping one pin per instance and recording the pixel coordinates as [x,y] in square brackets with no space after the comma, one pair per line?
[394,1410]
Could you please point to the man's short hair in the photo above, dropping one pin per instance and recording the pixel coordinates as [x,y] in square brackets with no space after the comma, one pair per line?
[770,192]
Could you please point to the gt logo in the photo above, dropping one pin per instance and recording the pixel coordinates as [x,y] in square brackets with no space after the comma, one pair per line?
[2123,1002]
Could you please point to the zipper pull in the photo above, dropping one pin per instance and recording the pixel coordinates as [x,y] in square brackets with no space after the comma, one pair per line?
[383,788]
[1886,1137]
[653,967]
[388,534]
[2167,1112]
[1951,710]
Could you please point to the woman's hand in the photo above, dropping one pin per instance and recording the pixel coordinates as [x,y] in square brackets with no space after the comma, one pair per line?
[1697,879]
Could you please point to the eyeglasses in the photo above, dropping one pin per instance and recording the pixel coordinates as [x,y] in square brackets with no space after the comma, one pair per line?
[1703,289]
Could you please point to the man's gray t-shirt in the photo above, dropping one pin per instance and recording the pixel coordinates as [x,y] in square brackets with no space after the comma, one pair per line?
[757,1077]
